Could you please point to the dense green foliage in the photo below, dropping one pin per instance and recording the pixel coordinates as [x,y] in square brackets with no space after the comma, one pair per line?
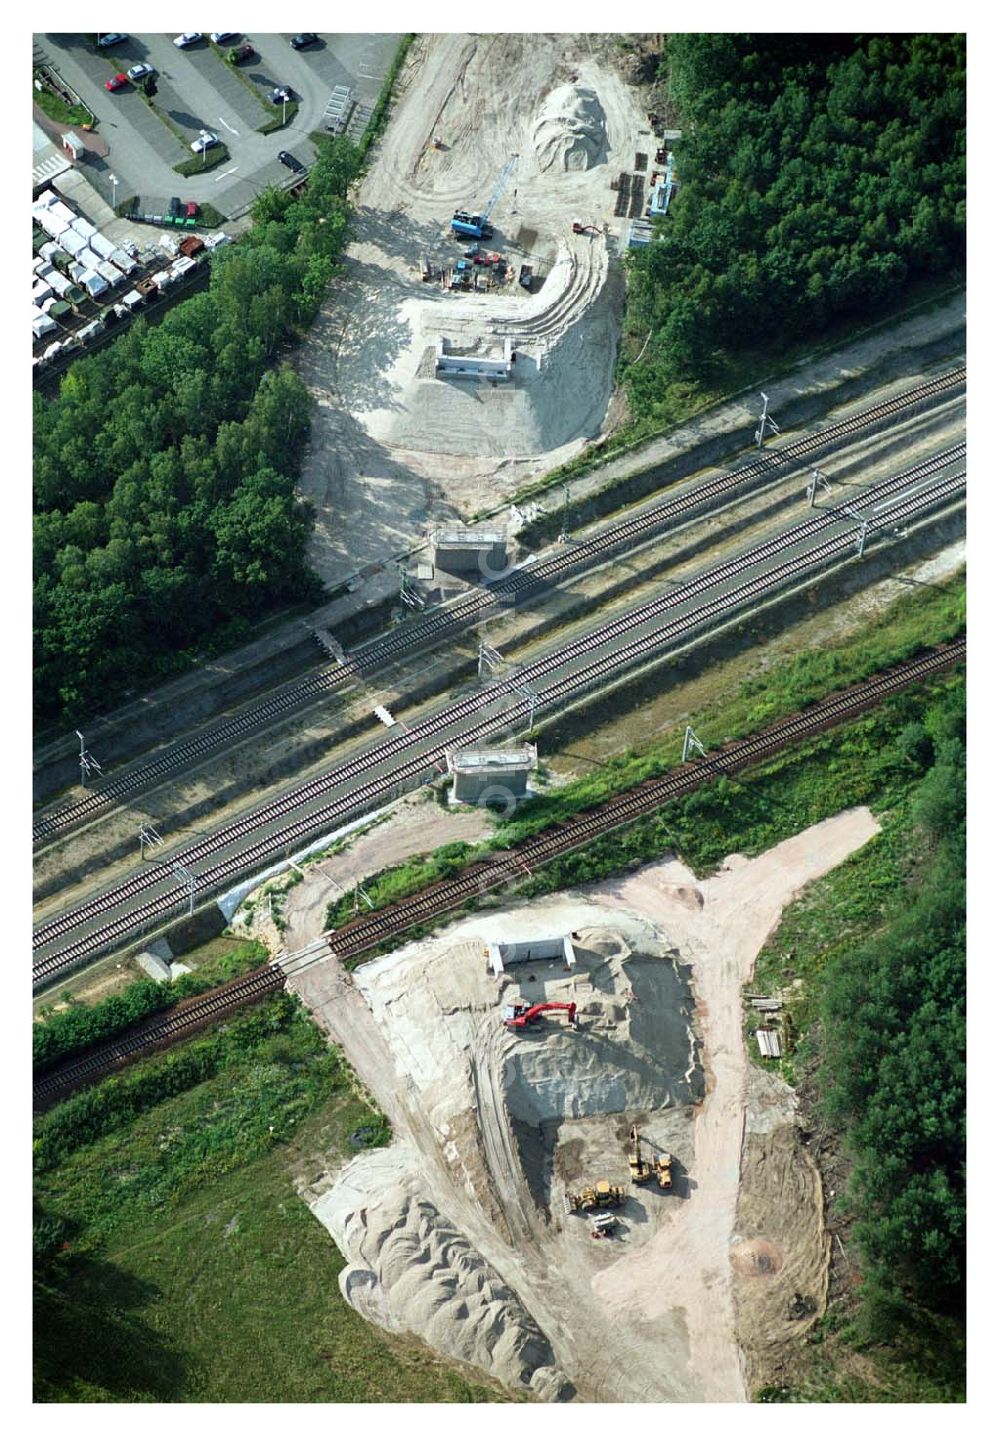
[174,1258]
[165,469]
[820,175]
[57,1034]
[894,1050]
[870,965]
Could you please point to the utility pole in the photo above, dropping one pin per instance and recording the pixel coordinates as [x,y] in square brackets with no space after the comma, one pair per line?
[528,692]
[87,762]
[184,877]
[864,524]
[564,531]
[407,595]
[691,742]
[767,425]
[817,479]
[148,840]
[488,657]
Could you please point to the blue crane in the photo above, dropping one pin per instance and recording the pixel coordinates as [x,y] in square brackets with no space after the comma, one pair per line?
[477,226]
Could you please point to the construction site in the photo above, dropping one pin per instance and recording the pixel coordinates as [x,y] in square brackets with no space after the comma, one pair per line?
[473,342]
[571,1101]
[592,1188]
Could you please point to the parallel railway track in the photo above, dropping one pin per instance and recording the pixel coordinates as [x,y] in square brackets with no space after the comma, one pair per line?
[230,866]
[431,628]
[500,869]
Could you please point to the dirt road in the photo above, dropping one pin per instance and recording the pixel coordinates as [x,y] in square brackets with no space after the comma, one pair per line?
[648,1316]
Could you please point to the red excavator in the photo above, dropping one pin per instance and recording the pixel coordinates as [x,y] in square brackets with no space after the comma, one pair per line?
[519,1016]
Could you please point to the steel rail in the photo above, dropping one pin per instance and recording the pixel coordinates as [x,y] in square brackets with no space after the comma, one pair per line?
[475,606]
[247,859]
[370,929]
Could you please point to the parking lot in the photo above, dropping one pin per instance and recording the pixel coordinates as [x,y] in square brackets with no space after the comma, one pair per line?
[197,89]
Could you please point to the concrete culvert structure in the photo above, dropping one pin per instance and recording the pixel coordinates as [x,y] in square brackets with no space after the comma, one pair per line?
[570,131]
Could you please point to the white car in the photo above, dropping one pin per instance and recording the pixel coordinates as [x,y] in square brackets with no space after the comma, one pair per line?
[190,37]
[139,72]
[206,140]
[219,37]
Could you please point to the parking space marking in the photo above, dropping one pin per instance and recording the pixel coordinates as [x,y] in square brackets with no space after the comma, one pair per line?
[227,173]
[229,127]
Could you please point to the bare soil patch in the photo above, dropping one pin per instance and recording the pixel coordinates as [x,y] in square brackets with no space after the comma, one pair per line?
[494,1127]
[396,450]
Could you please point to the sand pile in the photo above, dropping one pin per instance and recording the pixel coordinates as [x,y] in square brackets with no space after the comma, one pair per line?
[410,1270]
[633,1046]
[570,131]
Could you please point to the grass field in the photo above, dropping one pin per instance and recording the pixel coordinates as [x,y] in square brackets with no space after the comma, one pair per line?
[190,1268]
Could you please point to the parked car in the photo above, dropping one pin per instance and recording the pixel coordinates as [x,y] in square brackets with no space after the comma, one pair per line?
[116,82]
[281,94]
[139,72]
[106,41]
[240,53]
[222,37]
[290,161]
[302,42]
[206,140]
[189,37]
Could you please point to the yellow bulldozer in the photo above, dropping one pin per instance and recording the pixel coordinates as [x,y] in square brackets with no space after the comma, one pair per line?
[601,1194]
[641,1170]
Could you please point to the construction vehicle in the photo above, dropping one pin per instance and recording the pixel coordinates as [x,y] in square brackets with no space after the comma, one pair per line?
[603,1194]
[603,1225]
[579,228]
[525,277]
[641,1170]
[664,1168]
[521,1016]
[477,226]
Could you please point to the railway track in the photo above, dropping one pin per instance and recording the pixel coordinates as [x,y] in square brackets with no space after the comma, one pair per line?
[518,586]
[230,867]
[500,869]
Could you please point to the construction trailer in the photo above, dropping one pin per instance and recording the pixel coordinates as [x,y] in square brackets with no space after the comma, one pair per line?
[501,956]
[663,192]
[497,776]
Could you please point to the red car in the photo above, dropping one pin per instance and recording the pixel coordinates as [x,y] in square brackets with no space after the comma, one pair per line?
[117,82]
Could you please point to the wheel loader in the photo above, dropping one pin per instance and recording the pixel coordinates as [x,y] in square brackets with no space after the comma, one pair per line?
[601,1194]
[665,1170]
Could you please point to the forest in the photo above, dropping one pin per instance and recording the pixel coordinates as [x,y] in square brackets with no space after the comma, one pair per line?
[818,177]
[893,1014]
[165,469]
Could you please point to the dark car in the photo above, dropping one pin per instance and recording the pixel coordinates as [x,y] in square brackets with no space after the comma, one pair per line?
[302,42]
[240,53]
[111,38]
[290,161]
[116,82]
[175,207]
